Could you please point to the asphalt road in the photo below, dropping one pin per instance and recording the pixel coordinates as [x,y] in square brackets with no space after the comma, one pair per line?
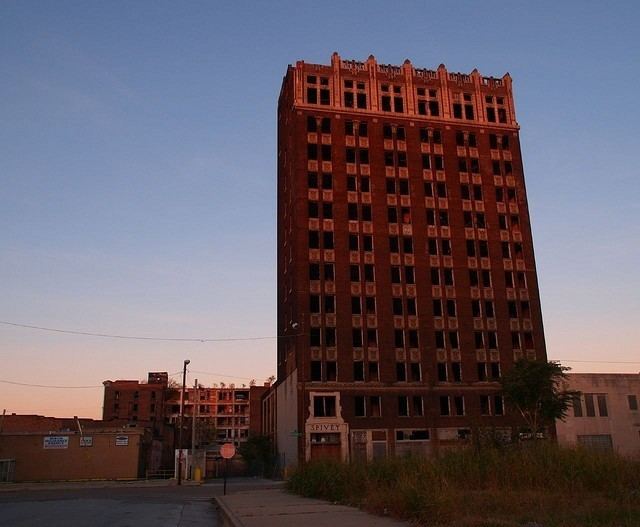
[115,505]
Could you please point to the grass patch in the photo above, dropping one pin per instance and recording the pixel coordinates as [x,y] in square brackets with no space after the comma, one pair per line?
[505,487]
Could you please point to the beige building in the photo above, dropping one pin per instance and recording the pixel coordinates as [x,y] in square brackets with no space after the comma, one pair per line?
[606,416]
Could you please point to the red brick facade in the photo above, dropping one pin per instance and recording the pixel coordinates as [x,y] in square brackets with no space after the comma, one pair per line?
[406,272]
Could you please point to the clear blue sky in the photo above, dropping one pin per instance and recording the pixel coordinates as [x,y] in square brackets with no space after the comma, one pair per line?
[137,172]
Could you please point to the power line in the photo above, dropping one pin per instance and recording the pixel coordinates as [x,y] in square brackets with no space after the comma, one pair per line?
[598,361]
[49,385]
[138,337]
[222,375]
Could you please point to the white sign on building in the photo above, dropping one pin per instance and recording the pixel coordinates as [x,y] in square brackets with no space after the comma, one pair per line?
[52,442]
[122,440]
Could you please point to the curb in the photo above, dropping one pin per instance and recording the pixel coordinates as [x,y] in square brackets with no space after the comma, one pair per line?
[227,517]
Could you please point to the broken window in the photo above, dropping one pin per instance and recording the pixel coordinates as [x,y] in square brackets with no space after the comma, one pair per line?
[327,238]
[456,370]
[442,372]
[589,405]
[370,305]
[348,128]
[332,371]
[373,370]
[327,211]
[444,405]
[448,276]
[418,409]
[401,371]
[324,406]
[403,406]
[314,337]
[359,407]
[374,403]
[314,240]
[313,209]
[368,273]
[353,242]
[416,373]
[468,111]
[576,402]
[356,337]
[394,244]
[358,370]
[484,405]
[316,370]
[458,402]
[330,337]
[312,95]
[398,338]
[482,371]
[329,304]
[326,152]
[488,309]
[327,181]
[356,307]
[312,151]
[407,245]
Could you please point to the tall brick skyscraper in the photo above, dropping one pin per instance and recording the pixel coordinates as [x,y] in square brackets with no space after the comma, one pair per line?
[406,274]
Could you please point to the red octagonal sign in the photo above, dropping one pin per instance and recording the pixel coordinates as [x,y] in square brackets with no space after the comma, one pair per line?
[227,451]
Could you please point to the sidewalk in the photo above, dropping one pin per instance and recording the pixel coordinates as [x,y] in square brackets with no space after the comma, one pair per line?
[92,484]
[277,508]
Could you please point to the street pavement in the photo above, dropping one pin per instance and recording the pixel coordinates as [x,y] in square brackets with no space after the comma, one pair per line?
[116,504]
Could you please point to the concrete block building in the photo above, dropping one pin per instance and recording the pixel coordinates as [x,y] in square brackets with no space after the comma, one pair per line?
[606,415]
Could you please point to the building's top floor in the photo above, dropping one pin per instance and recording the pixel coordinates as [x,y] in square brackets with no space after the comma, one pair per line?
[605,382]
[371,88]
[155,380]
[21,423]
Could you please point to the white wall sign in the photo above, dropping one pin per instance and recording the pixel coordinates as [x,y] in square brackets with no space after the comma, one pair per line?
[122,440]
[86,441]
[52,442]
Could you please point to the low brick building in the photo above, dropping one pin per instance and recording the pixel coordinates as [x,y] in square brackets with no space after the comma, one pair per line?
[38,448]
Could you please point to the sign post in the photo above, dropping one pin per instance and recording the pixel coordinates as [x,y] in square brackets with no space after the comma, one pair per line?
[227,451]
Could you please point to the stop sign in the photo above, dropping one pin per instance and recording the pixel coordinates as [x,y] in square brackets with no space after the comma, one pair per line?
[227,451]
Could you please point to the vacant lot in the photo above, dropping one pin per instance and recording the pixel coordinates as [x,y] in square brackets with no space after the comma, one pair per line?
[541,483]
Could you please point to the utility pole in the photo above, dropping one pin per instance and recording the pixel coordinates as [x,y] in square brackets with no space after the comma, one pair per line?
[184,381]
[193,427]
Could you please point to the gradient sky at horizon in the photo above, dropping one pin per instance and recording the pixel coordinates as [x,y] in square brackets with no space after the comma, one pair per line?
[137,174]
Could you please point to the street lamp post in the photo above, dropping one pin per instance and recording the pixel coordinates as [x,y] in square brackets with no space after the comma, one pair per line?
[184,381]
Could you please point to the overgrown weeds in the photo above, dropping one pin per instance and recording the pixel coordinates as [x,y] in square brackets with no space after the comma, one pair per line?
[541,482]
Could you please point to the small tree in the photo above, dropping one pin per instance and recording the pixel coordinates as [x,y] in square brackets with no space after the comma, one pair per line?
[257,451]
[535,390]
